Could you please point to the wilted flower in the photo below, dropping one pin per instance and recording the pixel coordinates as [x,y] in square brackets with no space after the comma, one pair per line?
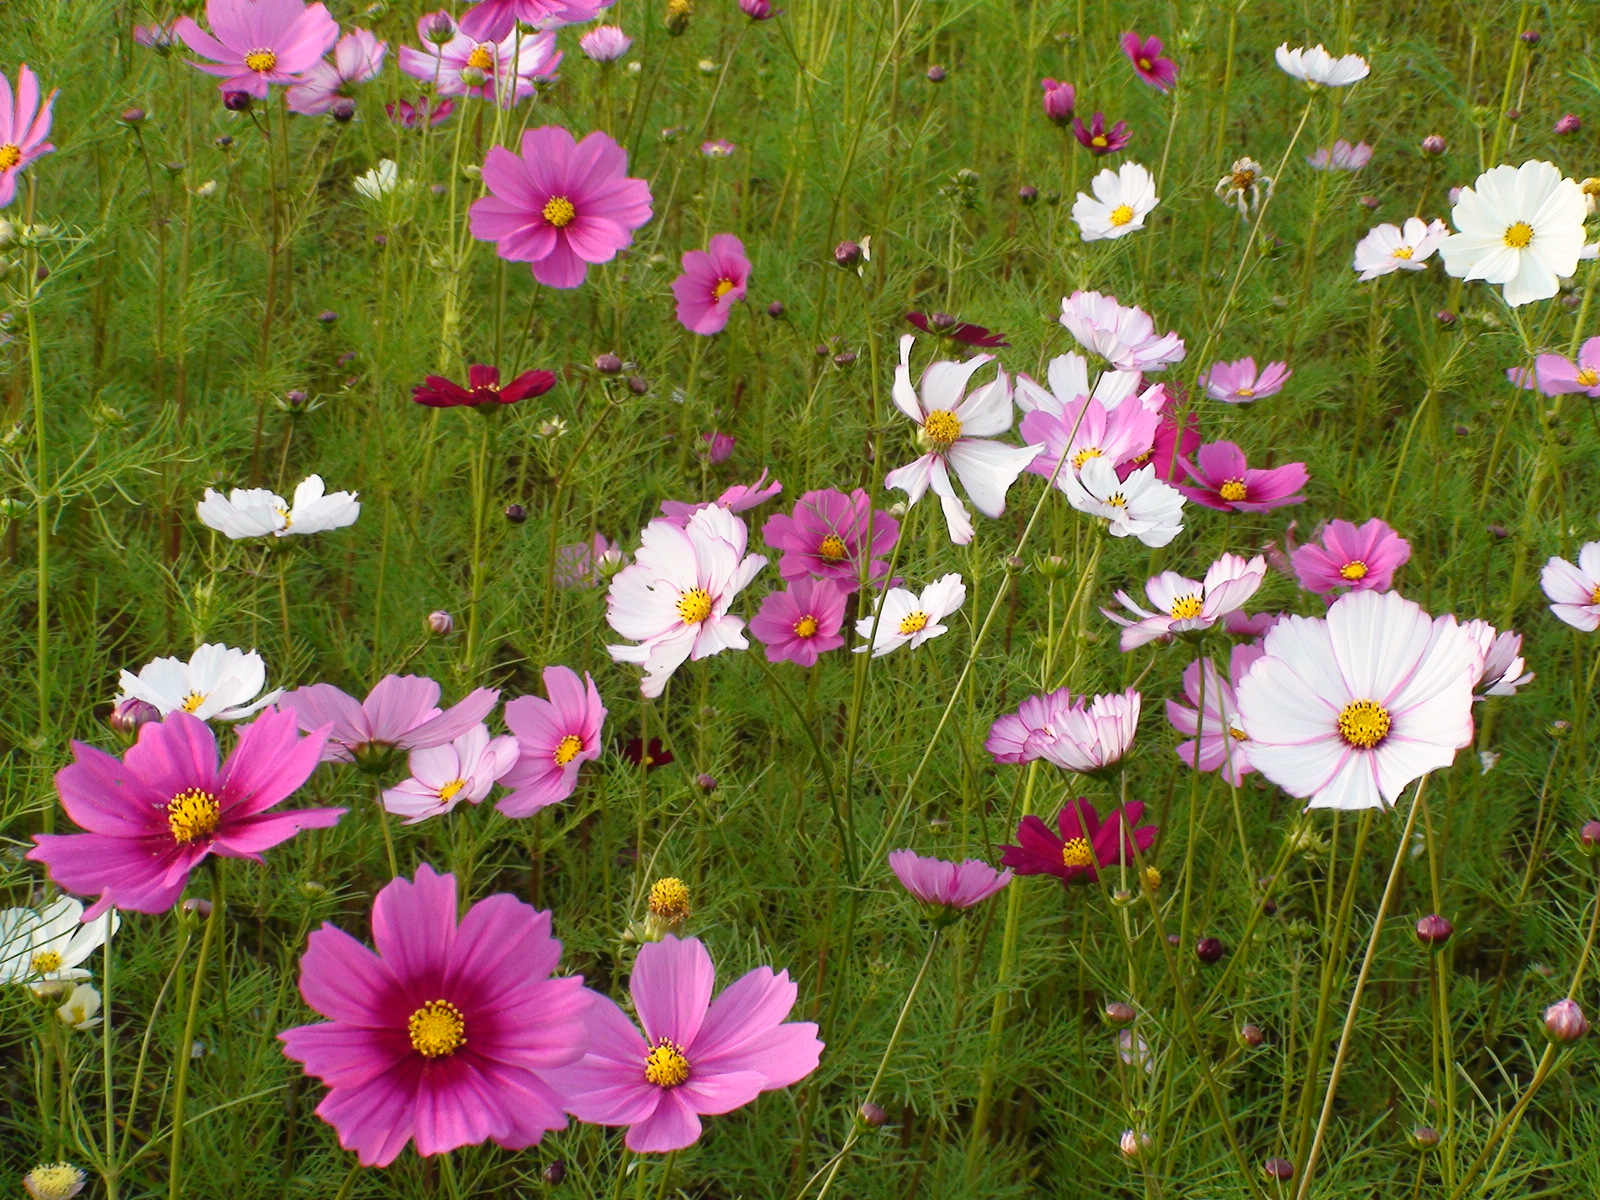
[53,1181]
[1245,186]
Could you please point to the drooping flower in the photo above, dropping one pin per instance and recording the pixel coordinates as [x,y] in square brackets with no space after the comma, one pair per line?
[1091,738]
[946,889]
[560,205]
[45,949]
[1223,741]
[259,42]
[504,70]
[1240,383]
[1017,737]
[217,683]
[24,128]
[605,43]
[696,1057]
[1068,379]
[801,623]
[1503,669]
[79,1012]
[1084,430]
[492,20]
[1519,227]
[1188,605]
[1058,100]
[1083,845]
[1315,67]
[357,58]
[1121,201]
[427,109]
[1222,479]
[1388,248]
[945,326]
[1245,186]
[713,281]
[673,601]
[1096,138]
[737,499]
[450,1034]
[1140,506]
[826,536]
[256,512]
[1148,64]
[1124,337]
[1357,557]
[1556,375]
[1344,712]
[1342,156]
[401,713]
[555,738]
[1574,591]
[483,388]
[159,812]
[903,617]
[465,768]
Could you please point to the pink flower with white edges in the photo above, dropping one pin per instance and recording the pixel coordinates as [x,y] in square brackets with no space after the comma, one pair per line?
[1574,591]
[1085,430]
[1124,337]
[24,126]
[1186,605]
[737,499]
[1017,737]
[443,776]
[1240,383]
[504,71]
[1557,375]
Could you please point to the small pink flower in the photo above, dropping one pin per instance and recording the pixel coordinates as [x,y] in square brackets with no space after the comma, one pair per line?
[1145,55]
[1555,375]
[1188,605]
[737,499]
[717,447]
[1096,138]
[401,713]
[802,623]
[1574,591]
[24,126]
[1223,480]
[605,43]
[493,20]
[713,281]
[718,148]
[1019,737]
[1222,737]
[1239,382]
[259,42]
[1124,337]
[826,536]
[555,738]
[504,71]
[1360,558]
[1342,157]
[409,116]
[1059,99]
[465,768]
[948,887]
[356,59]
[1502,671]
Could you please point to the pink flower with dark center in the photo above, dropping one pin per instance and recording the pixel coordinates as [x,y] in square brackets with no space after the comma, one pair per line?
[504,71]
[1360,558]
[1223,480]
[802,623]
[157,814]
[1555,375]
[713,281]
[826,536]
[426,109]
[1574,591]
[1145,55]
[1059,100]
[1342,157]
[1096,138]
[259,42]
[1083,430]
[1222,739]
[697,1056]
[1084,844]
[948,888]
[1239,382]
[464,768]
[493,20]
[24,126]
[1019,737]
[483,388]
[356,59]
[1124,337]
[1189,605]
[401,713]
[450,1034]
[560,205]
[737,499]
[555,737]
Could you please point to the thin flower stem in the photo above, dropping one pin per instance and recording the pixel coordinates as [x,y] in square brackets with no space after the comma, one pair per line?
[180,1088]
[846,843]
[109,1095]
[349,1182]
[388,834]
[480,493]
[666,1174]
[41,508]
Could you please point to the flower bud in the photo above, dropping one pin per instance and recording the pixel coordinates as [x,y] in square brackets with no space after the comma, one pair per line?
[1434,930]
[1589,838]
[440,623]
[555,1172]
[1567,124]
[198,907]
[845,358]
[757,10]
[871,1114]
[1445,317]
[678,14]
[474,77]
[343,110]
[132,116]
[638,385]
[1513,114]
[1118,1014]
[1564,1021]
[1134,1143]
[775,309]
[1209,950]
[127,715]
[237,101]
[669,901]
[438,28]
[847,253]
[1424,1137]
[1250,1036]
[327,317]
[1028,194]
[612,561]
[1370,203]
[608,364]
[1280,1169]
[1058,100]
[936,74]
[1433,145]
[516,514]
[1530,37]
[706,783]
[225,142]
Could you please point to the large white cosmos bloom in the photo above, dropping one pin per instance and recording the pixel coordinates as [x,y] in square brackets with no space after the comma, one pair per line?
[46,948]
[256,512]
[217,683]
[1521,228]
[1315,66]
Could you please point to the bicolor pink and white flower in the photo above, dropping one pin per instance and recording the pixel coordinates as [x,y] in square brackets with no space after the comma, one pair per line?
[24,129]
[1188,605]
[1221,737]
[1557,375]
[1085,430]
[1067,377]
[1240,383]
[1503,670]
[737,499]
[1388,248]
[503,70]
[357,58]
[1017,737]
[605,43]
[1341,156]
[1574,590]
[1140,506]
[256,43]
[1358,557]
[465,768]
[902,617]
[555,737]
[1090,738]
[1125,337]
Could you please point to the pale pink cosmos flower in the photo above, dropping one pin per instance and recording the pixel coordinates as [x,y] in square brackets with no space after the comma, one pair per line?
[1068,378]
[560,205]
[955,430]
[947,888]
[1188,605]
[713,281]
[696,1057]
[1574,591]
[504,71]
[492,20]
[357,58]
[1094,738]
[555,738]
[1221,478]
[1390,248]
[1357,557]
[464,768]
[1223,742]
[1556,375]
[605,43]
[801,623]
[1342,157]
[259,42]
[827,537]
[24,126]
[1016,737]
[737,499]
[1503,668]
[1124,337]
[1240,383]
[1083,430]
[401,713]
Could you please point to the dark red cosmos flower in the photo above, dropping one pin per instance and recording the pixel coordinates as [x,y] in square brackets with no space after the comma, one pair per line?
[944,325]
[652,756]
[1096,138]
[483,387]
[1085,843]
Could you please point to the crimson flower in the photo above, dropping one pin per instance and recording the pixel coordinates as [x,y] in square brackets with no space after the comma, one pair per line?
[483,387]
[1096,138]
[944,325]
[1085,843]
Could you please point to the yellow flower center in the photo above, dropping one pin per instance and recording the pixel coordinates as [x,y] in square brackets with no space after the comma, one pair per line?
[669,900]
[1099,141]
[571,745]
[1151,878]
[832,548]
[1402,252]
[54,1181]
[10,156]
[437,1029]
[1238,735]
[558,211]
[1144,64]
[1353,570]
[1519,235]
[694,606]
[1185,607]
[917,621]
[448,792]
[1364,723]
[1121,215]
[1232,490]
[193,701]
[192,814]
[482,57]
[1117,500]
[46,961]
[666,1066]
[1590,186]
[261,60]
[942,426]
[1076,853]
[1588,376]
[1247,393]
[1594,596]
[1243,181]
[284,513]
[1083,456]
[724,286]
[806,627]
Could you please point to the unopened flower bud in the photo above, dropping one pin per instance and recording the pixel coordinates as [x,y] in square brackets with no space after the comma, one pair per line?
[1424,1137]
[941,322]
[678,14]
[706,783]
[936,74]
[1530,37]
[1280,1169]
[847,253]
[343,110]
[1118,1014]
[439,28]
[198,907]
[1589,838]
[474,77]
[775,309]
[1028,194]
[607,364]
[127,715]
[237,101]
[1434,930]
[1445,317]
[1499,532]
[1564,1021]
[1568,124]
[516,514]
[1433,145]
[873,1115]
[1250,1036]
[1134,1143]
[1209,950]
[225,142]
[132,116]
[638,385]
[1370,203]
[845,358]
[440,623]
[1513,114]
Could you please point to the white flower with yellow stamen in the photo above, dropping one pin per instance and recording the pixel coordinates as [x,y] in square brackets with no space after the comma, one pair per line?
[217,683]
[81,1009]
[1188,605]
[1519,227]
[257,512]
[1121,200]
[1388,248]
[1140,506]
[54,1181]
[904,618]
[44,949]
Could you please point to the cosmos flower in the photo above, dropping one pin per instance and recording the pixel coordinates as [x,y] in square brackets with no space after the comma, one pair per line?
[826,536]
[1058,100]
[1520,228]
[401,713]
[713,281]
[1245,186]
[801,623]
[1017,737]
[1171,446]
[1357,557]
[259,42]
[256,512]
[555,738]
[1574,591]
[737,499]
[79,1012]
[909,618]
[1222,479]
[1223,742]
[717,148]
[427,109]
[24,126]
[1188,605]
[605,43]
[1097,139]
[1145,55]
[1503,668]
[53,1181]
[483,388]
[1083,844]
[1068,378]
[492,20]
[1124,337]
[1089,738]
[1556,375]
[464,768]
[1084,430]
[946,889]
[357,58]
[449,1034]
[503,70]
[1317,68]
[382,180]
[1239,382]
[1388,248]
[217,683]
[945,326]
[1140,506]
[1121,201]
[587,564]
[47,947]
[1341,157]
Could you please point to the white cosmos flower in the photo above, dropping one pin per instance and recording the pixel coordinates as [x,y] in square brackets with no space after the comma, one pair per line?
[1574,590]
[443,776]
[1345,711]
[1068,377]
[1187,605]
[1393,248]
[956,428]
[1520,227]
[45,948]
[1140,506]
[380,181]
[1121,200]
[673,600]
[81,1009]
[1318,68]
[217,683]
[256,512]
[908,618]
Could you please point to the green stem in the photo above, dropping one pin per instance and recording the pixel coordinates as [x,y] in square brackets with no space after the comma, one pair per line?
[180,1089]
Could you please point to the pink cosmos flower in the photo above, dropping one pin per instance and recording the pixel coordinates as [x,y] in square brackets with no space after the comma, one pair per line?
[259,42]
[503,71]
[555,737]
[737,499]
[717,148]
[1574,591]
[159,812]
[1084,429]
[1059,100]
[1247,625]
[357,58]
[1145,55]
[409,116]
[1096,138]
[492,20]
[1239,382]
[401,713]
[1361,558]
[1186,605]
[1093,738]
[948,888]
[1018,737]
[24,126]
[581,565]
[605,43]
[945,326]
[1169,449]
[799,624]
[1342,157]
[1555,375]
[1223,480]
[713,281]
[716,446]
[826,536]
[465,768]
[1124,337]
[1222,739]
[697,1057]
[560,205]
[450,1034]
[1085,844]
[1502,671]
[1390,248]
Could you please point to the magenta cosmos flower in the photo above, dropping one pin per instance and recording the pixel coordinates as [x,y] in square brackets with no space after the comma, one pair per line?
[492,20]
[1574,591]
[1222,479]
[1170,447]
[401,713]
[483,388]
[799,624]
[356,59]
[159,812]
[945,326]
[1096,138]
[1362,558]
[1145,55]
[737,499]
[1058,100]
[948,889]
[560,205]
[697,1057]
[826,536]
[1083,845]
[1239,382]
[1222,739]
[259,42]
[556,737]
[1555,375]
[449,1034]
[24,126]
[713,281]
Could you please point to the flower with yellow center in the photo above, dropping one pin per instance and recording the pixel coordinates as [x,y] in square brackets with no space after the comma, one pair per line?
[559,212]
[913,622]
[1364,723]
[46,961]
[1120,203]
[1075,852]
[942,427]
[1520,228]
[1084,455]
[669,900]
[1233,490]
[261,60]
[905,617]
[694,606]
[1186,608]
[193,701]
[1353,570]
[1181,605]
[437,1029]
[53,1181]
[482,59]
[665,1066]
[1403,253]
[448,792]
[1121,214]
[832,548]
[192,814]
[724,286]
[806,627]
[568,749]
[1587,376]
[1518,235]
[10,156]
